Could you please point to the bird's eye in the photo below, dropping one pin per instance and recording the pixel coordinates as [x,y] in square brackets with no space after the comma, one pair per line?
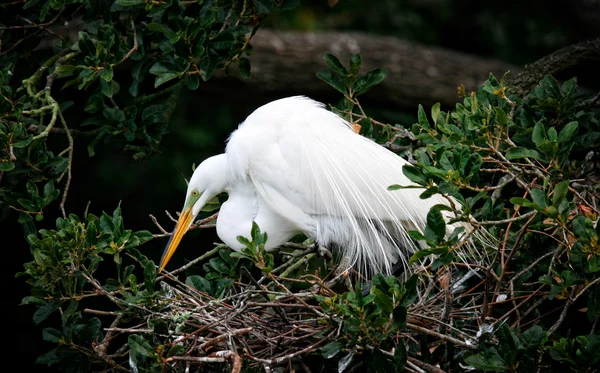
[194,193]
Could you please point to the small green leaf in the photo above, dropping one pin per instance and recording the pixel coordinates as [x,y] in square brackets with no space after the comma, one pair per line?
[139,345]
[355,63]
[521,152]
[534,337]
[130,2]
[198,283]
[207,64]
[560,192]
[193,82]
[23,143]
[435,112]
[63,71]
[51,335]
[107,73]
[501,116]
[331,349]
[539,134]
[422,117]
[163,78]
[414,174]
[106,88]
[6,165]
[400,357]
[333,80]
[156,27]
[45,310]
[567,132]
[488,361]
[539,198]
[436,222]
[521,201]
[372,78]
[334,64]
[176,350]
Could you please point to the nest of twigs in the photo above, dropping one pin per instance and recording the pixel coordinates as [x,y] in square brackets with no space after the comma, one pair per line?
[269,320]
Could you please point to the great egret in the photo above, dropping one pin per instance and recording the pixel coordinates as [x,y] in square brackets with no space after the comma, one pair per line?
[295,167]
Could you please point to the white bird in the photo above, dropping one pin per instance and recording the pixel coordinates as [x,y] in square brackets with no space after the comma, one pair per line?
[294,167]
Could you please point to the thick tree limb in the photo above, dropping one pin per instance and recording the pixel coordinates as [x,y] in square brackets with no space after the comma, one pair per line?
[585,54]
[286,63]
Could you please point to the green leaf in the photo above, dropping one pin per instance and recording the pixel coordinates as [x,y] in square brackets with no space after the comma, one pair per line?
[192,82]
[23,143]
[382,300]
[534,337]
[45,310]
[435,112]
[51,335]
[560,192]
[106,88]
[538,135]
[436,222]
[490,361]
[414,174]
[567,132]
[521,152]
[334,64]
[107,73]
[372,78]
[63,71]
[130,2]
[429,192]
[333,80]
[224,41]
[207,64]
[176,350]
[149,275]
[422,117]
[163,78]
[400,357]
[539,198]
[331,349]
[156,27]
[521,201]
[114,114]
[417,236]
[86,46]
[6,165]
[501,116]
[139,345]
[355,64]
[198,283]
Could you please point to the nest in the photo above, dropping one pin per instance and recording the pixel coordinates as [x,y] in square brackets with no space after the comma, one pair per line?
[275,321]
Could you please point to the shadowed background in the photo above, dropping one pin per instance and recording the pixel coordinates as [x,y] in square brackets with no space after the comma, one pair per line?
[428,47]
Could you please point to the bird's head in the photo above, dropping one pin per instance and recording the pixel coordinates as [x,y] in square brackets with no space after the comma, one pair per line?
[209,180]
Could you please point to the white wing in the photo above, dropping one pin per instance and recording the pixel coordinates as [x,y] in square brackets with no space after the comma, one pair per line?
[309,164]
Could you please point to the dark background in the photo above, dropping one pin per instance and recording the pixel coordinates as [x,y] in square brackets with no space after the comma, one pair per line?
[518,32]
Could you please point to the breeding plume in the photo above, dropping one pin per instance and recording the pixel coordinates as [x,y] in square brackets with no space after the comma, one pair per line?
[294,167]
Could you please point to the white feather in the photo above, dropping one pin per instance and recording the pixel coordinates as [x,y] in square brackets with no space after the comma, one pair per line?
[312,174]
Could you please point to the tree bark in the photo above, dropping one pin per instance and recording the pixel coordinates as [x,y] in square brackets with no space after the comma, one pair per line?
[581,60]
[285,63]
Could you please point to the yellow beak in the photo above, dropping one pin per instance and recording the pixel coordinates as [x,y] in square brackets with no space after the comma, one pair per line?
[184,222]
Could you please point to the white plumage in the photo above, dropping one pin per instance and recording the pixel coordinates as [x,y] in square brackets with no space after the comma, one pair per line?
[294,167]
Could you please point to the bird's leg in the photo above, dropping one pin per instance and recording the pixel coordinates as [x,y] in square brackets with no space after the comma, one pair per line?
[323,251]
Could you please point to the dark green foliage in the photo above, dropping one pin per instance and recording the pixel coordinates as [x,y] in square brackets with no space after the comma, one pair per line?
[371,322]
[122,73]
[523,165]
